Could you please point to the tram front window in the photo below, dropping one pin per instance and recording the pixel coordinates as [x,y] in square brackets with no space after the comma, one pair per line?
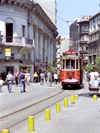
[73,64]
[70,64]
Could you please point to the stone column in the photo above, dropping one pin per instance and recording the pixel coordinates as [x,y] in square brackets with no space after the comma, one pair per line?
[52,51]
[49,49]
[39,48]
[45,49]
[30,31]
[41,45]
[36,43]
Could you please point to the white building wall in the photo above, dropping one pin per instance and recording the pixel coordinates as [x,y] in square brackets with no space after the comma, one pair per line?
[64,44]
[33,24]
[49,6]
[16,16]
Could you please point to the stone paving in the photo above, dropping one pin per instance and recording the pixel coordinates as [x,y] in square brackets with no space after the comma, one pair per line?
[81,117]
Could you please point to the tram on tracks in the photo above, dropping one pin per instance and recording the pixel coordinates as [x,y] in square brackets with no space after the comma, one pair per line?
[71,72]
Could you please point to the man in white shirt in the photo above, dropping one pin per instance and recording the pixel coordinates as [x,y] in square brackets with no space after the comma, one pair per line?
[9,79]
[56,77]
[94,74]
[42,78]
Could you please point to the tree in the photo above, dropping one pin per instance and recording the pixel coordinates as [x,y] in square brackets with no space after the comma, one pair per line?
[97,63]
[89,68]
[50,68]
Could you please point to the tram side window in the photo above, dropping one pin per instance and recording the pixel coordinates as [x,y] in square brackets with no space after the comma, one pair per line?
[63,64]
[76,63]
[73,64]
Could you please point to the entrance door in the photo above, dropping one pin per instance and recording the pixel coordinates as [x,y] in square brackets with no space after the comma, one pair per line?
[8,69]
[9,32]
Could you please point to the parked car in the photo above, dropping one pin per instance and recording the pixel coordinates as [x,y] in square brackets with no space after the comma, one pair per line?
[94,85]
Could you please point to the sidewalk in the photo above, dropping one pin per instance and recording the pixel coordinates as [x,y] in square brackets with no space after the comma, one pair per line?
[81,117]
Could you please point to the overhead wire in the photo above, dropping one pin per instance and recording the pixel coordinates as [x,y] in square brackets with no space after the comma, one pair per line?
[53,13]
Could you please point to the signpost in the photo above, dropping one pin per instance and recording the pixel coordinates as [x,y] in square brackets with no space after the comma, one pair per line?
[8,55]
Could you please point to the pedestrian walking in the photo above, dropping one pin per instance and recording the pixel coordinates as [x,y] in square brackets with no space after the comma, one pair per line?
[35,76]
[1,84]
[45,77]
[16,76]
[9,79]
[48,77]
[22,81]
[28,76]
[51,80]
[56,78]
[42,78]
[88,76]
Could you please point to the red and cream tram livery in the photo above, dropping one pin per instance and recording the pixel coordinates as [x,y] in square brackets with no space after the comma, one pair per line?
[71,73]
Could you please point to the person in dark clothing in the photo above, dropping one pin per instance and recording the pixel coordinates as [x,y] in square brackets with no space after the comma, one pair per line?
[22,81]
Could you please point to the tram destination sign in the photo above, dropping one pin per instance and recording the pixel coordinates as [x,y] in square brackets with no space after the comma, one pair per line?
[70,52]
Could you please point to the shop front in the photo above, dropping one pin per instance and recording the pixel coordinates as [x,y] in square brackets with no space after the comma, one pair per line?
[26,66]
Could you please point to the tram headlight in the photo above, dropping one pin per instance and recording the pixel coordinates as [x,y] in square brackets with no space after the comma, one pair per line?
[70,76]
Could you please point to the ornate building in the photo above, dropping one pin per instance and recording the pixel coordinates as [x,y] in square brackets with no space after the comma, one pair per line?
[29,33]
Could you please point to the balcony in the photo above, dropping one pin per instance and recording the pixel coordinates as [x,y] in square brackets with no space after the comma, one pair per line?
[84,52]
[17,41]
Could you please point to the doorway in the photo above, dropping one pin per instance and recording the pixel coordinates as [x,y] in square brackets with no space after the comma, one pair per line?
[9,32]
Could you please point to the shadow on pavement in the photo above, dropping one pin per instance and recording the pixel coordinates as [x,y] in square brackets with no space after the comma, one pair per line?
[89,94]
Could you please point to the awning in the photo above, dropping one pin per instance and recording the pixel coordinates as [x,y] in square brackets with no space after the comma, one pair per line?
[12,60]
[25,50]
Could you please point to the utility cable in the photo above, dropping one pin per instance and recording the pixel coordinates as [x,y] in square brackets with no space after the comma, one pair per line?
[53,13]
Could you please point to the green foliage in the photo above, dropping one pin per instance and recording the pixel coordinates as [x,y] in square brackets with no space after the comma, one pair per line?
[50,68]
[89,68]
[97,63]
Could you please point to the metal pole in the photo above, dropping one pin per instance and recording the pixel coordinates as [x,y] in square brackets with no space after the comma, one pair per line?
[10,64]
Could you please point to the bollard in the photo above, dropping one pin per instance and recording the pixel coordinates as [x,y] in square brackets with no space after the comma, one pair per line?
[47,115]
[76,97]
[65,102]
[5,131]
[95,98]
[57,107]
[31,123]
[72,98]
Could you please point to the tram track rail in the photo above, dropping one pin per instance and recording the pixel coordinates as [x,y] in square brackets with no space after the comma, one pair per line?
[13,119]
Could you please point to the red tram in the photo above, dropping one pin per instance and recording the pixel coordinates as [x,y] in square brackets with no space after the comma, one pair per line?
[71,73]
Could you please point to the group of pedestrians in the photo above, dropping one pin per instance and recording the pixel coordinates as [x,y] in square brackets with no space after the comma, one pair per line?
[48,78]
[24,77]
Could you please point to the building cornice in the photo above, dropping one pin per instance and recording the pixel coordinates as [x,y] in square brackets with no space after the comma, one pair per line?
[25,4]
[35,8]
[95,15]
[45,19]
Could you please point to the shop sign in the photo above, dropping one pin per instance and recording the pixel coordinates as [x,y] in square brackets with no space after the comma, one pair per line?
[8,53]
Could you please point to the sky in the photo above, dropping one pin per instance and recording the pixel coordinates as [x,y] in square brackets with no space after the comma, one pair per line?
[68,10]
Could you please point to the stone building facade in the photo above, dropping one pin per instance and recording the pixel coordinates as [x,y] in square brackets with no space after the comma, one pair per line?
[29,33]
[79,36]
[83,37]
[94,38]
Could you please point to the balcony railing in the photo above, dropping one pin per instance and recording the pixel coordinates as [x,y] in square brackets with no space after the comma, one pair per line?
[20,40]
